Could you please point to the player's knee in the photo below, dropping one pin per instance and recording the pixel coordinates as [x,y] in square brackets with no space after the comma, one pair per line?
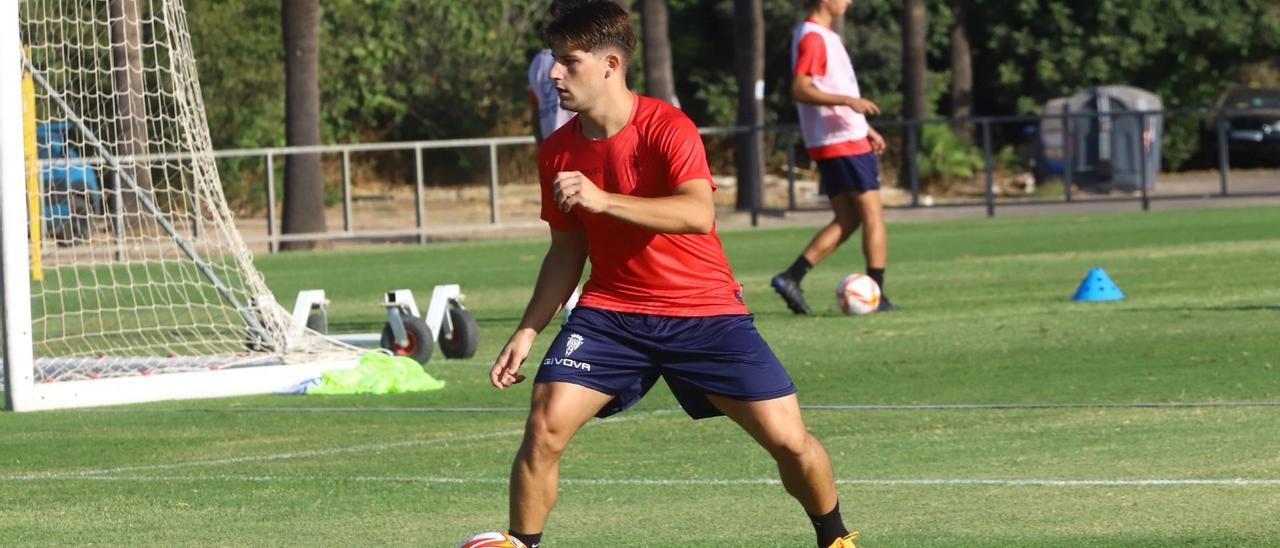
[543,438]
[791,445]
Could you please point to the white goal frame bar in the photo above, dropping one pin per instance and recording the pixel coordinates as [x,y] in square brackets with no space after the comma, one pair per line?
[242,381]
[19,363]
[21,392]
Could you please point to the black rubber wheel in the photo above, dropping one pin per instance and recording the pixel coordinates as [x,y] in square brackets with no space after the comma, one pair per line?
[318,321]
[465,338]
[419,345]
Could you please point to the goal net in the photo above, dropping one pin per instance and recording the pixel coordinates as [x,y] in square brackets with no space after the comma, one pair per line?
[137,277]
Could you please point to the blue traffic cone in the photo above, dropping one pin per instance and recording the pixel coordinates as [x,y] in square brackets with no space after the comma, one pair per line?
[1097,286]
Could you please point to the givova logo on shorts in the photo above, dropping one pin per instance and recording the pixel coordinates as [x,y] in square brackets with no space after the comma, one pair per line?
[572,343]
[575,340]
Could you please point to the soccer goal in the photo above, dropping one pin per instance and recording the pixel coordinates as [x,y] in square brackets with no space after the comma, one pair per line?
[124,278]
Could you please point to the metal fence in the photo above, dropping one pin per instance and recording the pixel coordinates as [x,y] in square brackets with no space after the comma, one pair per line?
[1000,150]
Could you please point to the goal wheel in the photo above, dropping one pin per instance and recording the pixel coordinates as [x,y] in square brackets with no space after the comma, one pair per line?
[464,339]
[318,321]
[419,344]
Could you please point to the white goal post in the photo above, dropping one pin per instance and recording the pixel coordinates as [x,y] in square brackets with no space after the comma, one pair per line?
[124,278]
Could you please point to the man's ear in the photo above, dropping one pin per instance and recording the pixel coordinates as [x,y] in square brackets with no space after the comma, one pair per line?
[613,63]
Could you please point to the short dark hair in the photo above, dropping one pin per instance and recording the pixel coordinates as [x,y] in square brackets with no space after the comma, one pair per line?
[591,26]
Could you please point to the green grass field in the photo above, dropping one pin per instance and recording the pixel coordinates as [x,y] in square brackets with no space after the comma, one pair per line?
[990,411]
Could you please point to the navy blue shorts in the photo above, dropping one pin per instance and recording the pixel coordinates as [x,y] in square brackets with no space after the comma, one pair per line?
[859,173]
[623,355]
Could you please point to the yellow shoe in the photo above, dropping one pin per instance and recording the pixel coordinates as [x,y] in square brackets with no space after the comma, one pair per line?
[845,541]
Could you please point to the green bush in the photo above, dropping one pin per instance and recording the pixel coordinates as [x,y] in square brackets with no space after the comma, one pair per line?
[943,156]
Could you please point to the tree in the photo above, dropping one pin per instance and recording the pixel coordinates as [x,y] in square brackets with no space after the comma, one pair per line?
[131,108]
[914,70]
[961,63]
[748,60]
[303,185]
[1185,52]
[659,82]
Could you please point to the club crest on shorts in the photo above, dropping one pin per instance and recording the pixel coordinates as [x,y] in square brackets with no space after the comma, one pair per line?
[575,340]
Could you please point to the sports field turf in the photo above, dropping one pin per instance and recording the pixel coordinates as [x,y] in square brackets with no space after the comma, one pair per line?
[990,411]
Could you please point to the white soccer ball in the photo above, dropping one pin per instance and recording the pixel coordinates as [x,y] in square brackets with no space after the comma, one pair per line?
[858,294]
[492,539]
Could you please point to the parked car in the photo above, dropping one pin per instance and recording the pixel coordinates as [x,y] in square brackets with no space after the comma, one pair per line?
[1252,124]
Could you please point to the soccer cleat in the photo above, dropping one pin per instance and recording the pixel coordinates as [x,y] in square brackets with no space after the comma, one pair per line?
[845,541]
[791,293]
[885,305]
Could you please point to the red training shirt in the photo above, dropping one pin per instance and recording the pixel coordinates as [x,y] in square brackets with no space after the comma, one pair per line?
[634,269]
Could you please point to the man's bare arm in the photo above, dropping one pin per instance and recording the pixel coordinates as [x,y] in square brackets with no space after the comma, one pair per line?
[689,210]
[803,90]
[559,275]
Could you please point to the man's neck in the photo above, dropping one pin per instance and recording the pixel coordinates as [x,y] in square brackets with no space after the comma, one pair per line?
[821,16]
[609,116]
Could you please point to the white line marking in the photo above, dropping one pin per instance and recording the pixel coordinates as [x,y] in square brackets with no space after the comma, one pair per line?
[317,410]
[1238,482]
[812,406]
[260,458]
[1104,405]
[303,454]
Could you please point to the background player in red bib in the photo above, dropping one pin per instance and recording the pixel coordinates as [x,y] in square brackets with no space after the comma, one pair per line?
[834,124]
[625,184]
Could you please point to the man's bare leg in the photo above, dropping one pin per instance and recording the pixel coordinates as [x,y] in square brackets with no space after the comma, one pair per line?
[803,463]
[846,219]
[558,410]
[875,240]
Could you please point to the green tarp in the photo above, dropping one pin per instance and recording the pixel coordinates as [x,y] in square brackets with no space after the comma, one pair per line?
[377,373]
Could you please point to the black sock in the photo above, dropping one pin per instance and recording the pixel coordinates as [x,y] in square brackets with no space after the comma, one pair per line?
[877,274]
[829,526]
[532,541]
[798,269]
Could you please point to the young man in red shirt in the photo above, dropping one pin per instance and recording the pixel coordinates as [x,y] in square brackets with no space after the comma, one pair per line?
[834,124]
[625,184]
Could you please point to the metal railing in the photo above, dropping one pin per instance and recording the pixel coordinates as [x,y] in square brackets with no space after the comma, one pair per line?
[274,238]
[785,137]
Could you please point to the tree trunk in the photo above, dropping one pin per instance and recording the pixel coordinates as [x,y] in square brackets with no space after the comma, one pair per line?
[748,60]
[631,65]
[961,67]
[913,77]
[658,80]
[303,185]
[131,107]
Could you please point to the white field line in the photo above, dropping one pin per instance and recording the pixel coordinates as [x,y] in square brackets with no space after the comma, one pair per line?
[1238,482]
[111,474]
[813,407]
[368,447]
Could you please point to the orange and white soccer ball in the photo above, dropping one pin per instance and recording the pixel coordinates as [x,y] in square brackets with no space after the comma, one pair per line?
[492,539]
[858,294]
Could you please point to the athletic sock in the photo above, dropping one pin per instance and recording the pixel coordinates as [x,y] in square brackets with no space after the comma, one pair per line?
[877,274]
[829,526]
[531,540]
[798,269]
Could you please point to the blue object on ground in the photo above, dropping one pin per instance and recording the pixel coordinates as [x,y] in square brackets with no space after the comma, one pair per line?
[1097,286]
